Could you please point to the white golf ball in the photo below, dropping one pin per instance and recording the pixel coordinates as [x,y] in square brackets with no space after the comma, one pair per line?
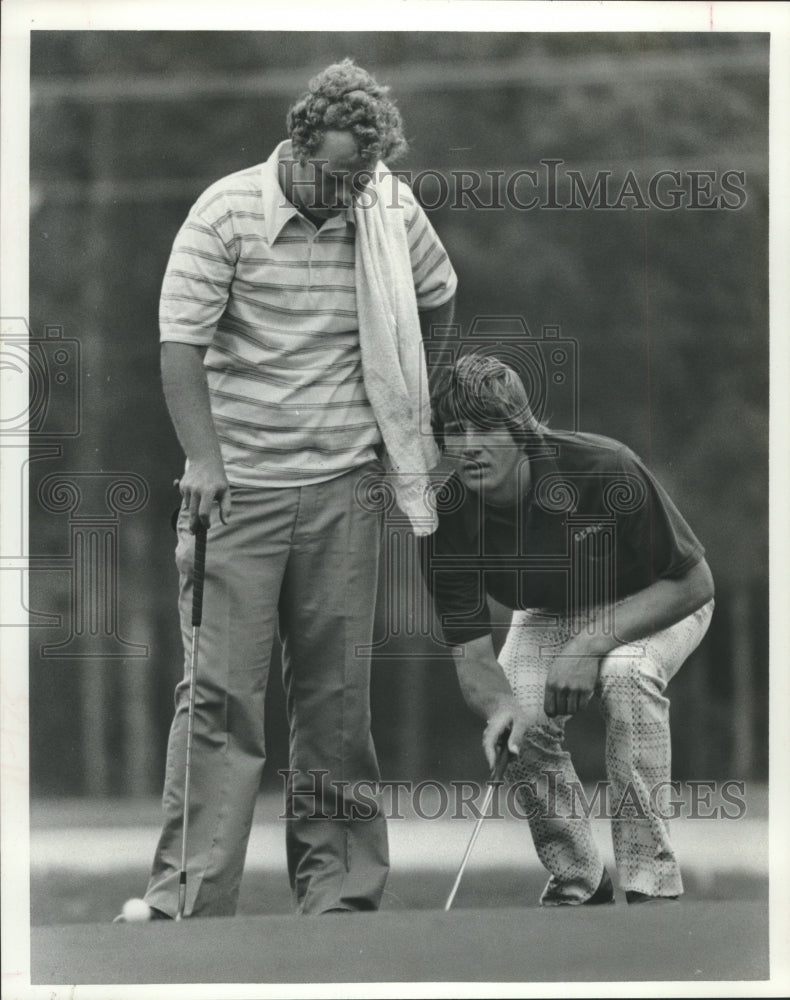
[136,911]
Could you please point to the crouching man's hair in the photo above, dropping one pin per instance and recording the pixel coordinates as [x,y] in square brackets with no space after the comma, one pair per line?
[486,393]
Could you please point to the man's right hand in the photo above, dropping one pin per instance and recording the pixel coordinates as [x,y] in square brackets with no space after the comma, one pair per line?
[487,691]
[510,720]
[186,392]
[202,485]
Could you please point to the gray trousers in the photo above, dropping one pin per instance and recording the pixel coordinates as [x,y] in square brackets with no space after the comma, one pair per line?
[303,560]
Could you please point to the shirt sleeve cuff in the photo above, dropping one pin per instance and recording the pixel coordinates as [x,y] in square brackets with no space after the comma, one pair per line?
[437,298]
[184,335]
[457,635]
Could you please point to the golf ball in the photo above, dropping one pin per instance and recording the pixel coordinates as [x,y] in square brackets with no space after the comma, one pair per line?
[136,911]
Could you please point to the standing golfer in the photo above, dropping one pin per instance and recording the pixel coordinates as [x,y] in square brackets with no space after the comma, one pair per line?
[292,316]
[610,594]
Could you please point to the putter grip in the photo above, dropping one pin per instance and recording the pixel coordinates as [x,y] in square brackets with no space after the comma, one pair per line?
[503,757]
[198,574]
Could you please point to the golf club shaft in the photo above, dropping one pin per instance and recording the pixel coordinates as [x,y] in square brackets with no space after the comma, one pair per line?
[478,824]
[198,575]
[497,774]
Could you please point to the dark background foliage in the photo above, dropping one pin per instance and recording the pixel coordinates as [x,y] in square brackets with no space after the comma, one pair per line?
[668,309]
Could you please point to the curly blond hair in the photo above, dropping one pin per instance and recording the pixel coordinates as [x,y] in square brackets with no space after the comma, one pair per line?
[345,98]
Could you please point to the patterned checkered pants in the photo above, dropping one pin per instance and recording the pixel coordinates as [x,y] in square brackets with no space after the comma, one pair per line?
[630,691]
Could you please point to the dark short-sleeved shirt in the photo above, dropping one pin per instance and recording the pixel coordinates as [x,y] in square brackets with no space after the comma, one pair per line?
[593,527]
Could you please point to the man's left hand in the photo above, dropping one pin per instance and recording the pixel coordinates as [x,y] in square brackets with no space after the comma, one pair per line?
[570,683]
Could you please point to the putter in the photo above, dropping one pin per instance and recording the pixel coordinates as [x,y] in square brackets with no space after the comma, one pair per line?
[497,773]
[198,574]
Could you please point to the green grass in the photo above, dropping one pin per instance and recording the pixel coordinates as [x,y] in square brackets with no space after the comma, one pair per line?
[65,897]
[695,941]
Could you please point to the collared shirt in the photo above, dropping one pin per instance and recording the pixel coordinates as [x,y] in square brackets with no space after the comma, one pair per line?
[273,299]
[594,526]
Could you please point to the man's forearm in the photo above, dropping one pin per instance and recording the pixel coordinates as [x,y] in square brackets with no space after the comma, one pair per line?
[573,674]
[487,692]
[481,678]
[186,394]
[440,316]
[429,320]
[662,604]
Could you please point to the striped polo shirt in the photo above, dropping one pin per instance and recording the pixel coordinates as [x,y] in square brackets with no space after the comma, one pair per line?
[273,300]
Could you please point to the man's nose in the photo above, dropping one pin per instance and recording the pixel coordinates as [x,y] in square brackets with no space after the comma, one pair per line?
[471,444]
[344,189]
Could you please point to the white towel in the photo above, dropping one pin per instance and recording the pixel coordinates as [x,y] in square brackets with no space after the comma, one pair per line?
[393,359]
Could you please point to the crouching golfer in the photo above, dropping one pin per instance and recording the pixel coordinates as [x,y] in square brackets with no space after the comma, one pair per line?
[610,594]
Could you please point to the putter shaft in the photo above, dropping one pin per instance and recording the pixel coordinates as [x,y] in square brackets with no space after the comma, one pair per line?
[182,881]
[197,617]
[497,774]
[471,844]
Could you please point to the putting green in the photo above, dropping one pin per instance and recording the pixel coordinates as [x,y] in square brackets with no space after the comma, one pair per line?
[692,940]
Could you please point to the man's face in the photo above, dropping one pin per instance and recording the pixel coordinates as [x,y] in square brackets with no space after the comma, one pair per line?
[488,460]
[329,180]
